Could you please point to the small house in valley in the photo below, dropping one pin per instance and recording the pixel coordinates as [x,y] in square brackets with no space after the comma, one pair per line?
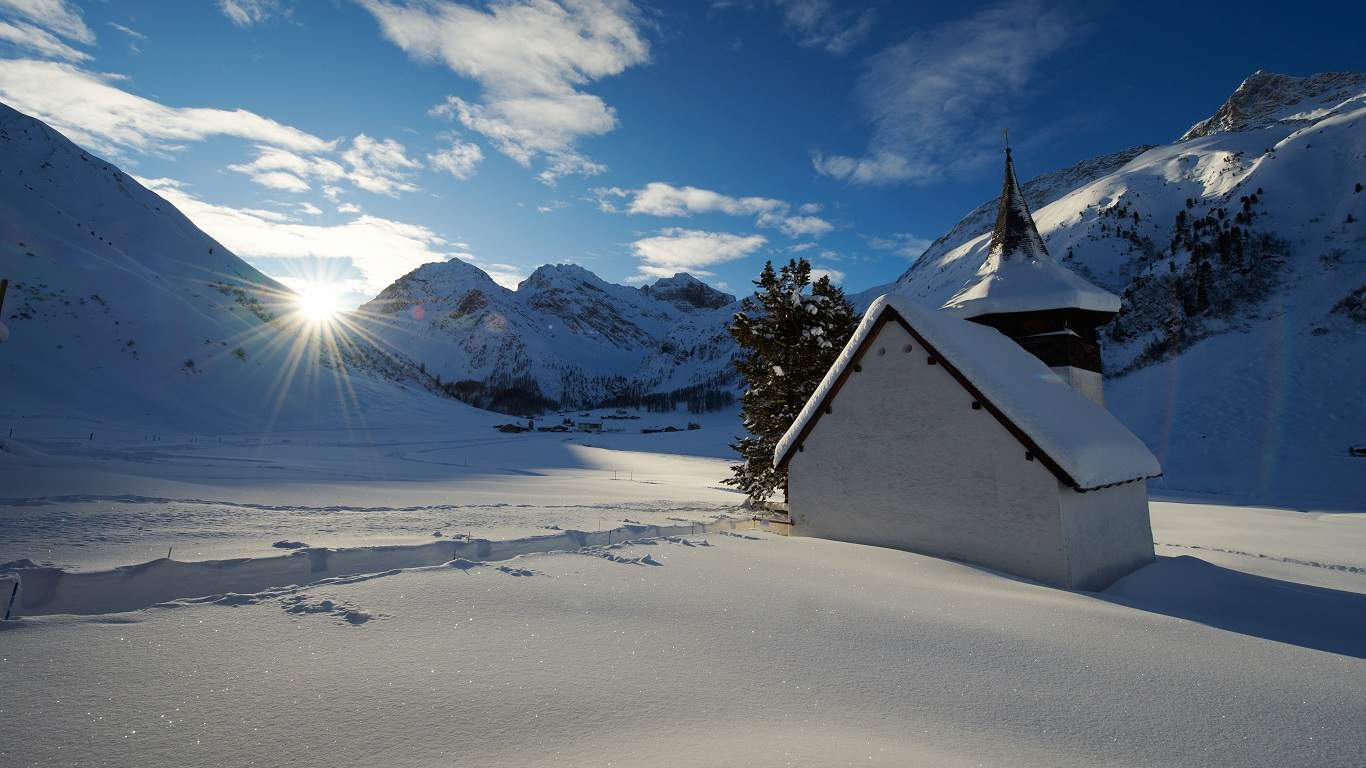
[964,433]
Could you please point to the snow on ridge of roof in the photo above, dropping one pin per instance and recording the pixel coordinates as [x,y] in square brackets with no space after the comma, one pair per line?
[1019,275]
[1028,285]
[1082,438]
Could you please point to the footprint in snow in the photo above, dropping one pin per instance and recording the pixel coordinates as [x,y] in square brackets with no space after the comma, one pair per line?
[607,555]
[301,605]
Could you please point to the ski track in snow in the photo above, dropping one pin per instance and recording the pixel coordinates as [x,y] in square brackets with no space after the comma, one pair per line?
[47,590]
[1264,556]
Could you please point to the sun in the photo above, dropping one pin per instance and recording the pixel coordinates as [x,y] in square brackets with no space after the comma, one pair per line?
[318,303]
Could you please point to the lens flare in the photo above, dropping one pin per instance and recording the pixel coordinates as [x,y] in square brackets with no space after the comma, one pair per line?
[318,303]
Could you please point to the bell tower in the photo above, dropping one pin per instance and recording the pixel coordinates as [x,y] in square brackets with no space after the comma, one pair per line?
[1023,292]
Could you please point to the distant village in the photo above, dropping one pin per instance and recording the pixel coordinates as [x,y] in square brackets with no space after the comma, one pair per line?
[588,423]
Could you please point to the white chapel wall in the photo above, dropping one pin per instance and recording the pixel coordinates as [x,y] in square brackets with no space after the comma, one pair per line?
[905,461]
[1107,533]
[1088,383]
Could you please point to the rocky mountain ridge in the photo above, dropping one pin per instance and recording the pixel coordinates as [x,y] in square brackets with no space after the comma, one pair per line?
[563,338]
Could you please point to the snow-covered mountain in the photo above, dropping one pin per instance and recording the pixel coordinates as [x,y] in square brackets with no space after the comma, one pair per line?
[564,335]
[687,293]
[1240,253]
[122,311]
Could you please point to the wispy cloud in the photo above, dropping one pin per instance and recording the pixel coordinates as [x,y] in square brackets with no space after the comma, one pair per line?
[901,243]
[40,41]
[381,167]
[531,59]
[820,24]
[57,16]
[133,33]
[380,249]
[662,199]
[551,206]
[460,159]
[939,99]
[691,250]
[88,108]
[245,13]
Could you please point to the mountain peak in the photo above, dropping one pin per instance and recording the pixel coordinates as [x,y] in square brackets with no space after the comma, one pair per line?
[432,283]
[1265,98]
[687,293]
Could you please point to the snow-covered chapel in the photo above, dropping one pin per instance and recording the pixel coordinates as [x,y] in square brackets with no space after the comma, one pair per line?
[977,431]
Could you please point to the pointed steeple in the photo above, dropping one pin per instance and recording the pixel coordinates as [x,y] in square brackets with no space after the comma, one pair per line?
[1015,235]
[1018,274]
[1021,291]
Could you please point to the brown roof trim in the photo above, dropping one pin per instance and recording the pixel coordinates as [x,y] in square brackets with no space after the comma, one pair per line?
[888,314]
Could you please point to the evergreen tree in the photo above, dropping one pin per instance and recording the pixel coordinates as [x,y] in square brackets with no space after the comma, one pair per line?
[788,339]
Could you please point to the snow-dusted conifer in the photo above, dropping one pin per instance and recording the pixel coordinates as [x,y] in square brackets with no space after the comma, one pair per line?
[788,337]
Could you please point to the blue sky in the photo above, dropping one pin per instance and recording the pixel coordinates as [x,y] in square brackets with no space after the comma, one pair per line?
[348,141]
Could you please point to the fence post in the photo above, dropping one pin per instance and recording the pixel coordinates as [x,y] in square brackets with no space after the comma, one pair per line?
[12,594]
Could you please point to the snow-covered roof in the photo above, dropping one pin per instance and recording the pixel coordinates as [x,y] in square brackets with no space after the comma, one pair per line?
[1084,444]
[1019,275]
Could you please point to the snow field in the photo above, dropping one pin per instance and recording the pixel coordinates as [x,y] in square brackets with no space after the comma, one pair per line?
[748,650]
[119,499]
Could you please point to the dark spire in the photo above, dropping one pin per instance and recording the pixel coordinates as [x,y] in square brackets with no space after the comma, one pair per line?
[1015,233]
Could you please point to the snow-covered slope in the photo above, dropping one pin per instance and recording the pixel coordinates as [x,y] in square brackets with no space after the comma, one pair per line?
[122,311]
[564,334]
[1240,353]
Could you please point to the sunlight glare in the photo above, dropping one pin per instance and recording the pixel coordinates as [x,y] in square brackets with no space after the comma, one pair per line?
[318,302]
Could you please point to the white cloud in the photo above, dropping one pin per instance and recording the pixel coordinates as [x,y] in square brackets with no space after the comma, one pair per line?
[800,247]
[819,24]
[531,59]
[280,180]
[460,160]
[39,41]
[938,100]
[835,275]
[310,209]
[56,16]
[245,13]
[382,167]
[691,250]
[661,199]
[382,250]
[88,109]
[348,208]
[552,205]
[901,243]
[133,33]
[796,226]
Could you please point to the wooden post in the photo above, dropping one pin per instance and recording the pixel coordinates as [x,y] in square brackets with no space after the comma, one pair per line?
[12,594]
